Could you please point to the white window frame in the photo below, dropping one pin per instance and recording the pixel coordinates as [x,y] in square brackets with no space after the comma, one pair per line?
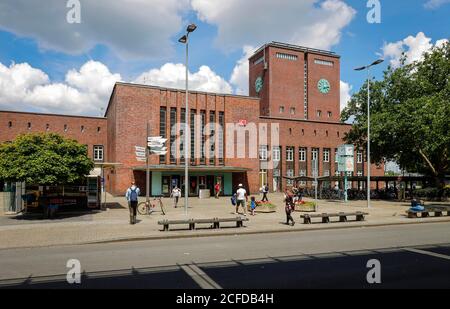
[314,154]
[289,154]
[326,155]
[276,154]
[99,153]
[336,157]
[359,157]
[359,173]
[290,173]
[326,173]
[302,154]
[263,153]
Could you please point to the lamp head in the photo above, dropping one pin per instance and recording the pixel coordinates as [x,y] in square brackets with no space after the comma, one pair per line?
[183,39]
[191,28]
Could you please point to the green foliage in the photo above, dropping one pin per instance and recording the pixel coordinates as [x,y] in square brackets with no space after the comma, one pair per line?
[410,115]
[44,159]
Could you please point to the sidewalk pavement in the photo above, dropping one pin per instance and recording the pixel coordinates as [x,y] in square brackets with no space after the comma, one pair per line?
[113,223]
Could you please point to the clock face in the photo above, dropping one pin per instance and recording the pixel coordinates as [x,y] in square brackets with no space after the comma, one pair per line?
[259,84]
[324,86]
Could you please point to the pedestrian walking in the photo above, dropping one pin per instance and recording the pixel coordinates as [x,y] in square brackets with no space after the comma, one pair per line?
[265,191]
[132,197]
[217,189]
[176,194]
[253,205]
[289,207]
[241,199]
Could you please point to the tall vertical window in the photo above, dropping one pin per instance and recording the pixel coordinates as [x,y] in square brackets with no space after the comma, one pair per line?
[173,135]
[98,153]
[82,129]
[65,128]
[221,139]
[289,154]
[162,129]
[290,173]
[212,137]
[192,116]
[302,173]
[326,155]
[359,157]
[29,126]
[203,137]
[276,154]
[182,134]
[336,157]
[263,152]
[302,154]
[10,124]
[315,153]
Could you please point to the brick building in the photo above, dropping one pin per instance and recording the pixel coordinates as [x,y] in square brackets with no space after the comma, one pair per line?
[290,118]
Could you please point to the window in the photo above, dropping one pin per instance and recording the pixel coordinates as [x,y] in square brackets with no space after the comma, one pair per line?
[162,129]
[182,136]
[212,137]
[303,131]
[349,174]
[290,173]
[315,153]
[82,129]
[319,113]
[98,153]
[359,157]
[203,137]
[10,124]
[287,56]
[29,126]
[326,173]
[99,129]
[193,135]
[289,154]
[330,114]
[326,133]
[47,127]
[302,154]
[315,133]
[292,110]
[326,156]
[173,132]
[263,153]
[281,109]
[221,140]
[276,154]
[290,131]
[323,62]
[337,173]
[359,173]
[302,174]
[65,128]
[336,157]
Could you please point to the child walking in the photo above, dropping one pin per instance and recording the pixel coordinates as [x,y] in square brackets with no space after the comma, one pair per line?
[252,205]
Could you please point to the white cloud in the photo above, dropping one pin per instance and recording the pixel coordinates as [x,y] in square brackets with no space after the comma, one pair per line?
[84,92]
[132,28]
[239,77]
[413,47]
[254,22]
[174,76]
[345,94]
[434,4]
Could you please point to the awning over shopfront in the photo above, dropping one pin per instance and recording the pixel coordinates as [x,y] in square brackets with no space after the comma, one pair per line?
[193,168]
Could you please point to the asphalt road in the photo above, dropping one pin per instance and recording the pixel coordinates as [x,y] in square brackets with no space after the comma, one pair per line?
[410,256]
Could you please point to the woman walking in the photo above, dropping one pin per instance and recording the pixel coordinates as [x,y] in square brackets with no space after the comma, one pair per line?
[289,207]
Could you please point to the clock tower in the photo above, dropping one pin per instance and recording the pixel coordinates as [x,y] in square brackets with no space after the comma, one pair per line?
[296,82]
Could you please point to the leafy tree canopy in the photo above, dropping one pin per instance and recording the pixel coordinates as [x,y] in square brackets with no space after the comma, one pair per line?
[45,159]
[410,115]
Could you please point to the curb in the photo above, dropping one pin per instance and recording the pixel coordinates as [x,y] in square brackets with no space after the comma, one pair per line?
[234,233]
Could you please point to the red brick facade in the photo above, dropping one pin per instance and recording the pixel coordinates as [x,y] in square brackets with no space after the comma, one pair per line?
[289,99]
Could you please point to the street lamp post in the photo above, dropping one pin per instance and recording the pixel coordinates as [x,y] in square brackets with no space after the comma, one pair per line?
[185,40]
[368,123]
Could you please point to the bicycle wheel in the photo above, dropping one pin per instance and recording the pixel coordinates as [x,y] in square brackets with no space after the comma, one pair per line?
[162,207]
[142,208]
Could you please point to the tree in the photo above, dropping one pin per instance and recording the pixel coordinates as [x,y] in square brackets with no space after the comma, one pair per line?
[410,115]
[44,159]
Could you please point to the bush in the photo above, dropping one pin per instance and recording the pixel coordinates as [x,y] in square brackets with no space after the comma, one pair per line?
[432,193]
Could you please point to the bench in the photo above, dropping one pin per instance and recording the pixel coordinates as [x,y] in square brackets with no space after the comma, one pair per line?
[360,216]
[437,210]
[192,222]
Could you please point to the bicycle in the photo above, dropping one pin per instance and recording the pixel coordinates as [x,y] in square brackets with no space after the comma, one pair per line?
[145,208]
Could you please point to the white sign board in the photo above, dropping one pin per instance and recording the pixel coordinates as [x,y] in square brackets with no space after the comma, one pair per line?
[346,158]
[140,154]
[141,159]
[139,148]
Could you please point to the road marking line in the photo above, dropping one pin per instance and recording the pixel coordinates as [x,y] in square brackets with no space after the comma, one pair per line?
[202,279]
[442,256]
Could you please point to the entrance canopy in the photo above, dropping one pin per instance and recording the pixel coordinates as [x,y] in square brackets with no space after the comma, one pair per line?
[193,168]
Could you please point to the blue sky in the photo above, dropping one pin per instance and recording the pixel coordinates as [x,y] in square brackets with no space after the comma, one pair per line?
[141,43]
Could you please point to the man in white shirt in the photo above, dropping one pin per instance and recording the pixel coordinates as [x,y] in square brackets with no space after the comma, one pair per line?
[241,198]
